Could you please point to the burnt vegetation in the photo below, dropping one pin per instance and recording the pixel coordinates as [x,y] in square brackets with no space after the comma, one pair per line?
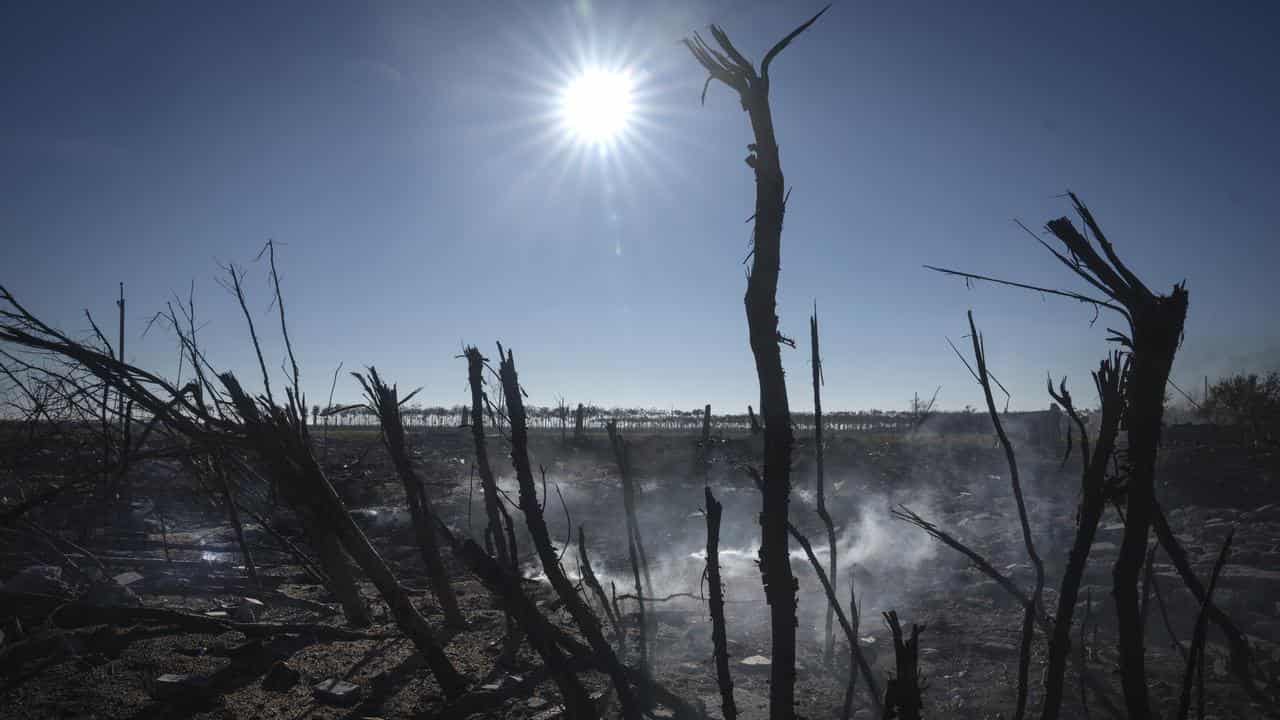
[196,544]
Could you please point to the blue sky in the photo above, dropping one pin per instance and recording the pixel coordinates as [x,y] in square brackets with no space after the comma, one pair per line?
[409,160]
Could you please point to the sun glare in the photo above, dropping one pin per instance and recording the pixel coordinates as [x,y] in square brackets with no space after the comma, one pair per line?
[596,106]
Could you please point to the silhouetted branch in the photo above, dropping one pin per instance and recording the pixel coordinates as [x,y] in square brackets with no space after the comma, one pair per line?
[1196,653]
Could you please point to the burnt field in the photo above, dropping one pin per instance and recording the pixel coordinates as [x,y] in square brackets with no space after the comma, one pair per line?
[154,615]
[208,540]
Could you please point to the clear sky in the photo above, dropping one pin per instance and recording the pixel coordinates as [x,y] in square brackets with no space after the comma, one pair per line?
[411,161]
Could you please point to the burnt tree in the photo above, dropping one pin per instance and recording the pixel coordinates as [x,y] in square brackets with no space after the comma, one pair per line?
[1155,325]
[635,545]
[1155,330]
[543,636]
[385,402]
[278,437]
[815,359]
[730,67]
[719,640]
[902,694]
[492,505]
[1093,501]
[1032,605]
[583,617]
[622,456]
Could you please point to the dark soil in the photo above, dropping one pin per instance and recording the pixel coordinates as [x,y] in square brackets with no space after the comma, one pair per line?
[179,541]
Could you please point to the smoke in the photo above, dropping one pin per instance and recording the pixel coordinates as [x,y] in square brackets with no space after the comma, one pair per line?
[892,564]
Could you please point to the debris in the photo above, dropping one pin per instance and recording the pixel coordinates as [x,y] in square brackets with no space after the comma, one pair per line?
[336,692]
[127,578]
[756,661]
[997,647]
[1104,548]
[503,683]
[280,677]
[249,610]
[1265,513]
[173,685]
[1110,531]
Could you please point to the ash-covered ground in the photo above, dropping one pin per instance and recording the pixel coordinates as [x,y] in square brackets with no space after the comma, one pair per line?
[175,550]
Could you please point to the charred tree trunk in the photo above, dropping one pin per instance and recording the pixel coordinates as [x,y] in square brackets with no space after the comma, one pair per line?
[336,566]
[1109,380]
[731,68]
[579,423]
[719,641]
[1155,329]
[1195,655]
[279,438]
[537,524]
[593,583]
[751,417]
[761,302]
[1155,325]
[855,618]
[500,581]
[410,621]
[635,546]
[622,456]
[1032,606]
[335,570]
[1241,655]
[384,401]
[706,426]
[702,458]
[820,479]
[902,694]
[641,624]
[492,503]
[234,515]
[123,411]
[1157,332]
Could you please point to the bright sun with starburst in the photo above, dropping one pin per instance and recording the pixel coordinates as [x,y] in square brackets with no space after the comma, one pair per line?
[589,111]
[596,105]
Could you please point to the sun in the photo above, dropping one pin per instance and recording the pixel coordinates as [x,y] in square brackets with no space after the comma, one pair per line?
[596,106]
